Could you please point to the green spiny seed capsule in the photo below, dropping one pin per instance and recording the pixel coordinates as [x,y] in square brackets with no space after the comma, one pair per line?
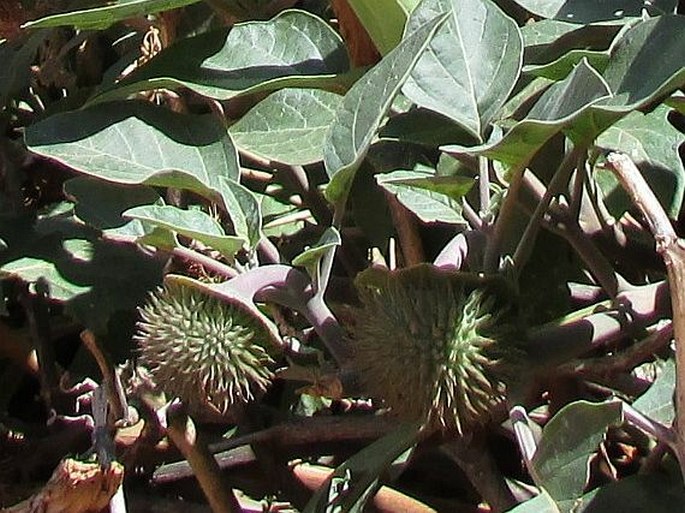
[202,349]
[434,345]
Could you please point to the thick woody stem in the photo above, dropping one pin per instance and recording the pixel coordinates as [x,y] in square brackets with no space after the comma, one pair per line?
[183,434]
[672,250]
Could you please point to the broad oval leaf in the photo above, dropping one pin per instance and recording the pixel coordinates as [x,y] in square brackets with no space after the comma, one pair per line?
[293,49]
[568,441]
[364,107]
[108,13]
[190,223]
[289,126]
[432,198]
[652,143]
[471,64]
[137,142]
[559,107]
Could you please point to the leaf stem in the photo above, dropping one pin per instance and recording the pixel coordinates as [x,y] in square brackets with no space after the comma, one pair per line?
[504,219]
[560,178]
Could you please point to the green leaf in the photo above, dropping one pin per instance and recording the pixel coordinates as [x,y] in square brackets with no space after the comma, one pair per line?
[100,204]
[194,224]
[648,62]
[108,13]
[657,402]
[311,257]
[422,126]
[93,278]
[652,143]
[561,67]
[470,65]
[558,108]
[568,441]
[288,126]
[348,488]
[432,198]
[549,40]
[364,107]
[137,142]
[642,493]
[294,49]
[29,269]
[243,208]
[384,20]
[588,11]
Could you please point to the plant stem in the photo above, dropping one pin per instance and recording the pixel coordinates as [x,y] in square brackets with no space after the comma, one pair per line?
[672,250]
[183,434]
[484,184]
[560,178]
[504,219]
[407,232]
[476,460]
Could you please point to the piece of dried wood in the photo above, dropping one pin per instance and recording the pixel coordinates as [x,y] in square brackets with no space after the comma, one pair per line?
[75,487]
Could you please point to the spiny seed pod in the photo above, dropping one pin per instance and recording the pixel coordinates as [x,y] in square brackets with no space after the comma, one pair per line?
[434,345]
[202,348]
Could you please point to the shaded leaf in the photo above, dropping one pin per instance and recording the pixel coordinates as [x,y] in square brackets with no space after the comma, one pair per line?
[137,142]
[294,49]
[29,269]
[432,198]
[657,402]
[94,278]
[471,64]
[652,143]
[288,126]
[568,441]
[364,107]
[642,493]
[100,204]
[423,126]
[194,224]
[108,13]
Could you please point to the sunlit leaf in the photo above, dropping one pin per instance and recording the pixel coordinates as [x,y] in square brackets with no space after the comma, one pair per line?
[289,126]
[471,64]
[432,198]
[194,224]
[294,49]
[364,107]
[107,13]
